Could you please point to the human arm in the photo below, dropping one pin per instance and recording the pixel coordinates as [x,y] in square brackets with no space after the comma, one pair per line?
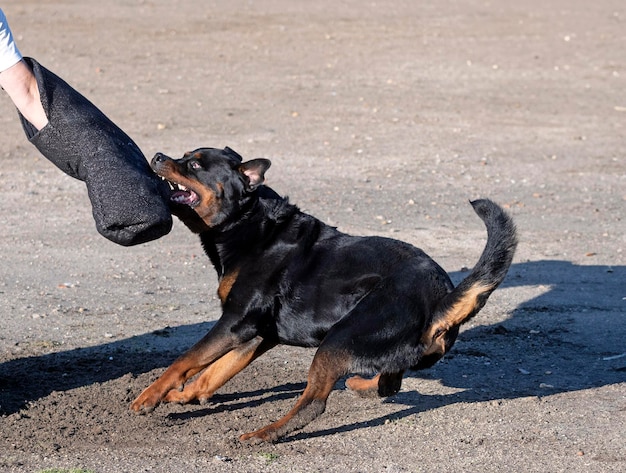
[17,79]
[20,84]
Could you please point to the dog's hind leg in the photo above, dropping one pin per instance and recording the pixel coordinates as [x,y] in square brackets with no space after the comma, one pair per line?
[382,385]
[328,366]
[220,372]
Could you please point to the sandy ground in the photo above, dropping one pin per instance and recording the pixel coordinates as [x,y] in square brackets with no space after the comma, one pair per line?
[380,118]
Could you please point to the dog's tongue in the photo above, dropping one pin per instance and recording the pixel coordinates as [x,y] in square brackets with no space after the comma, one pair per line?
[186,197]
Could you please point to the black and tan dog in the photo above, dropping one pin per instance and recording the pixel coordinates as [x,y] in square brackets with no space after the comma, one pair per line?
[371,304]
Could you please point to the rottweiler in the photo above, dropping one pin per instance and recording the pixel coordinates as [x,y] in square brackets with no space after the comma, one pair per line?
[372,305]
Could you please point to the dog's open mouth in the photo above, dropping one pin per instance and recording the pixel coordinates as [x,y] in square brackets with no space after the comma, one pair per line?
[183,195]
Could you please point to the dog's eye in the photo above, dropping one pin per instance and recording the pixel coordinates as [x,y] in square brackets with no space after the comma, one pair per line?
[194,165]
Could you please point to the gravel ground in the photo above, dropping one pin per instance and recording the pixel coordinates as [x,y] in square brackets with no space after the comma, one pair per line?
[380,118]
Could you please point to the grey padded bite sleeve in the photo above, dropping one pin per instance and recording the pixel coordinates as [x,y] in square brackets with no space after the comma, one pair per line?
[130,203]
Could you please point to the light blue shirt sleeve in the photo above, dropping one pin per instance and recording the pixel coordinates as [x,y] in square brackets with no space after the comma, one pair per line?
[9,54]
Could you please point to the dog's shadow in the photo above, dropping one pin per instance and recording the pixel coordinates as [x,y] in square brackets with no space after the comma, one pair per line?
[568,338]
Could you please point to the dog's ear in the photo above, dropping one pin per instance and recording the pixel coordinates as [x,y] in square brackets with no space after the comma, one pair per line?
[254,171]
[233,154]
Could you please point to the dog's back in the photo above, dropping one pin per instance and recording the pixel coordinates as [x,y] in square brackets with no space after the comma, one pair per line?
[309,276]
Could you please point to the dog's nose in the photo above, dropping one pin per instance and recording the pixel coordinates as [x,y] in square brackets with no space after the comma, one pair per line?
[158,160]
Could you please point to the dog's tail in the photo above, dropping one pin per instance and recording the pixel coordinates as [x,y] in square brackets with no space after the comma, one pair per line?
[466,300]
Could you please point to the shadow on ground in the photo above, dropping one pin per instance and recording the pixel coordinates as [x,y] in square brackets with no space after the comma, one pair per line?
[569,338]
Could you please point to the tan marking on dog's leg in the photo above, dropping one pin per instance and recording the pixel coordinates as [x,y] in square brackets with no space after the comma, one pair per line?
[194,360]
[226,284]
[362,386]
[220,372]
[174,377]
[381,385]
[325,370]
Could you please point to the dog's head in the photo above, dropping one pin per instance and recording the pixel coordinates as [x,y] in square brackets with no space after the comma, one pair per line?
[209,185]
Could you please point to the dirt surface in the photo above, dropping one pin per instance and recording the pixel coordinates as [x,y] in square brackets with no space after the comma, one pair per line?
[380,118]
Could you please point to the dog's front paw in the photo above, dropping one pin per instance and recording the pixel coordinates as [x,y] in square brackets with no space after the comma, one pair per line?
[146,401]
[183,396]
[260,436]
